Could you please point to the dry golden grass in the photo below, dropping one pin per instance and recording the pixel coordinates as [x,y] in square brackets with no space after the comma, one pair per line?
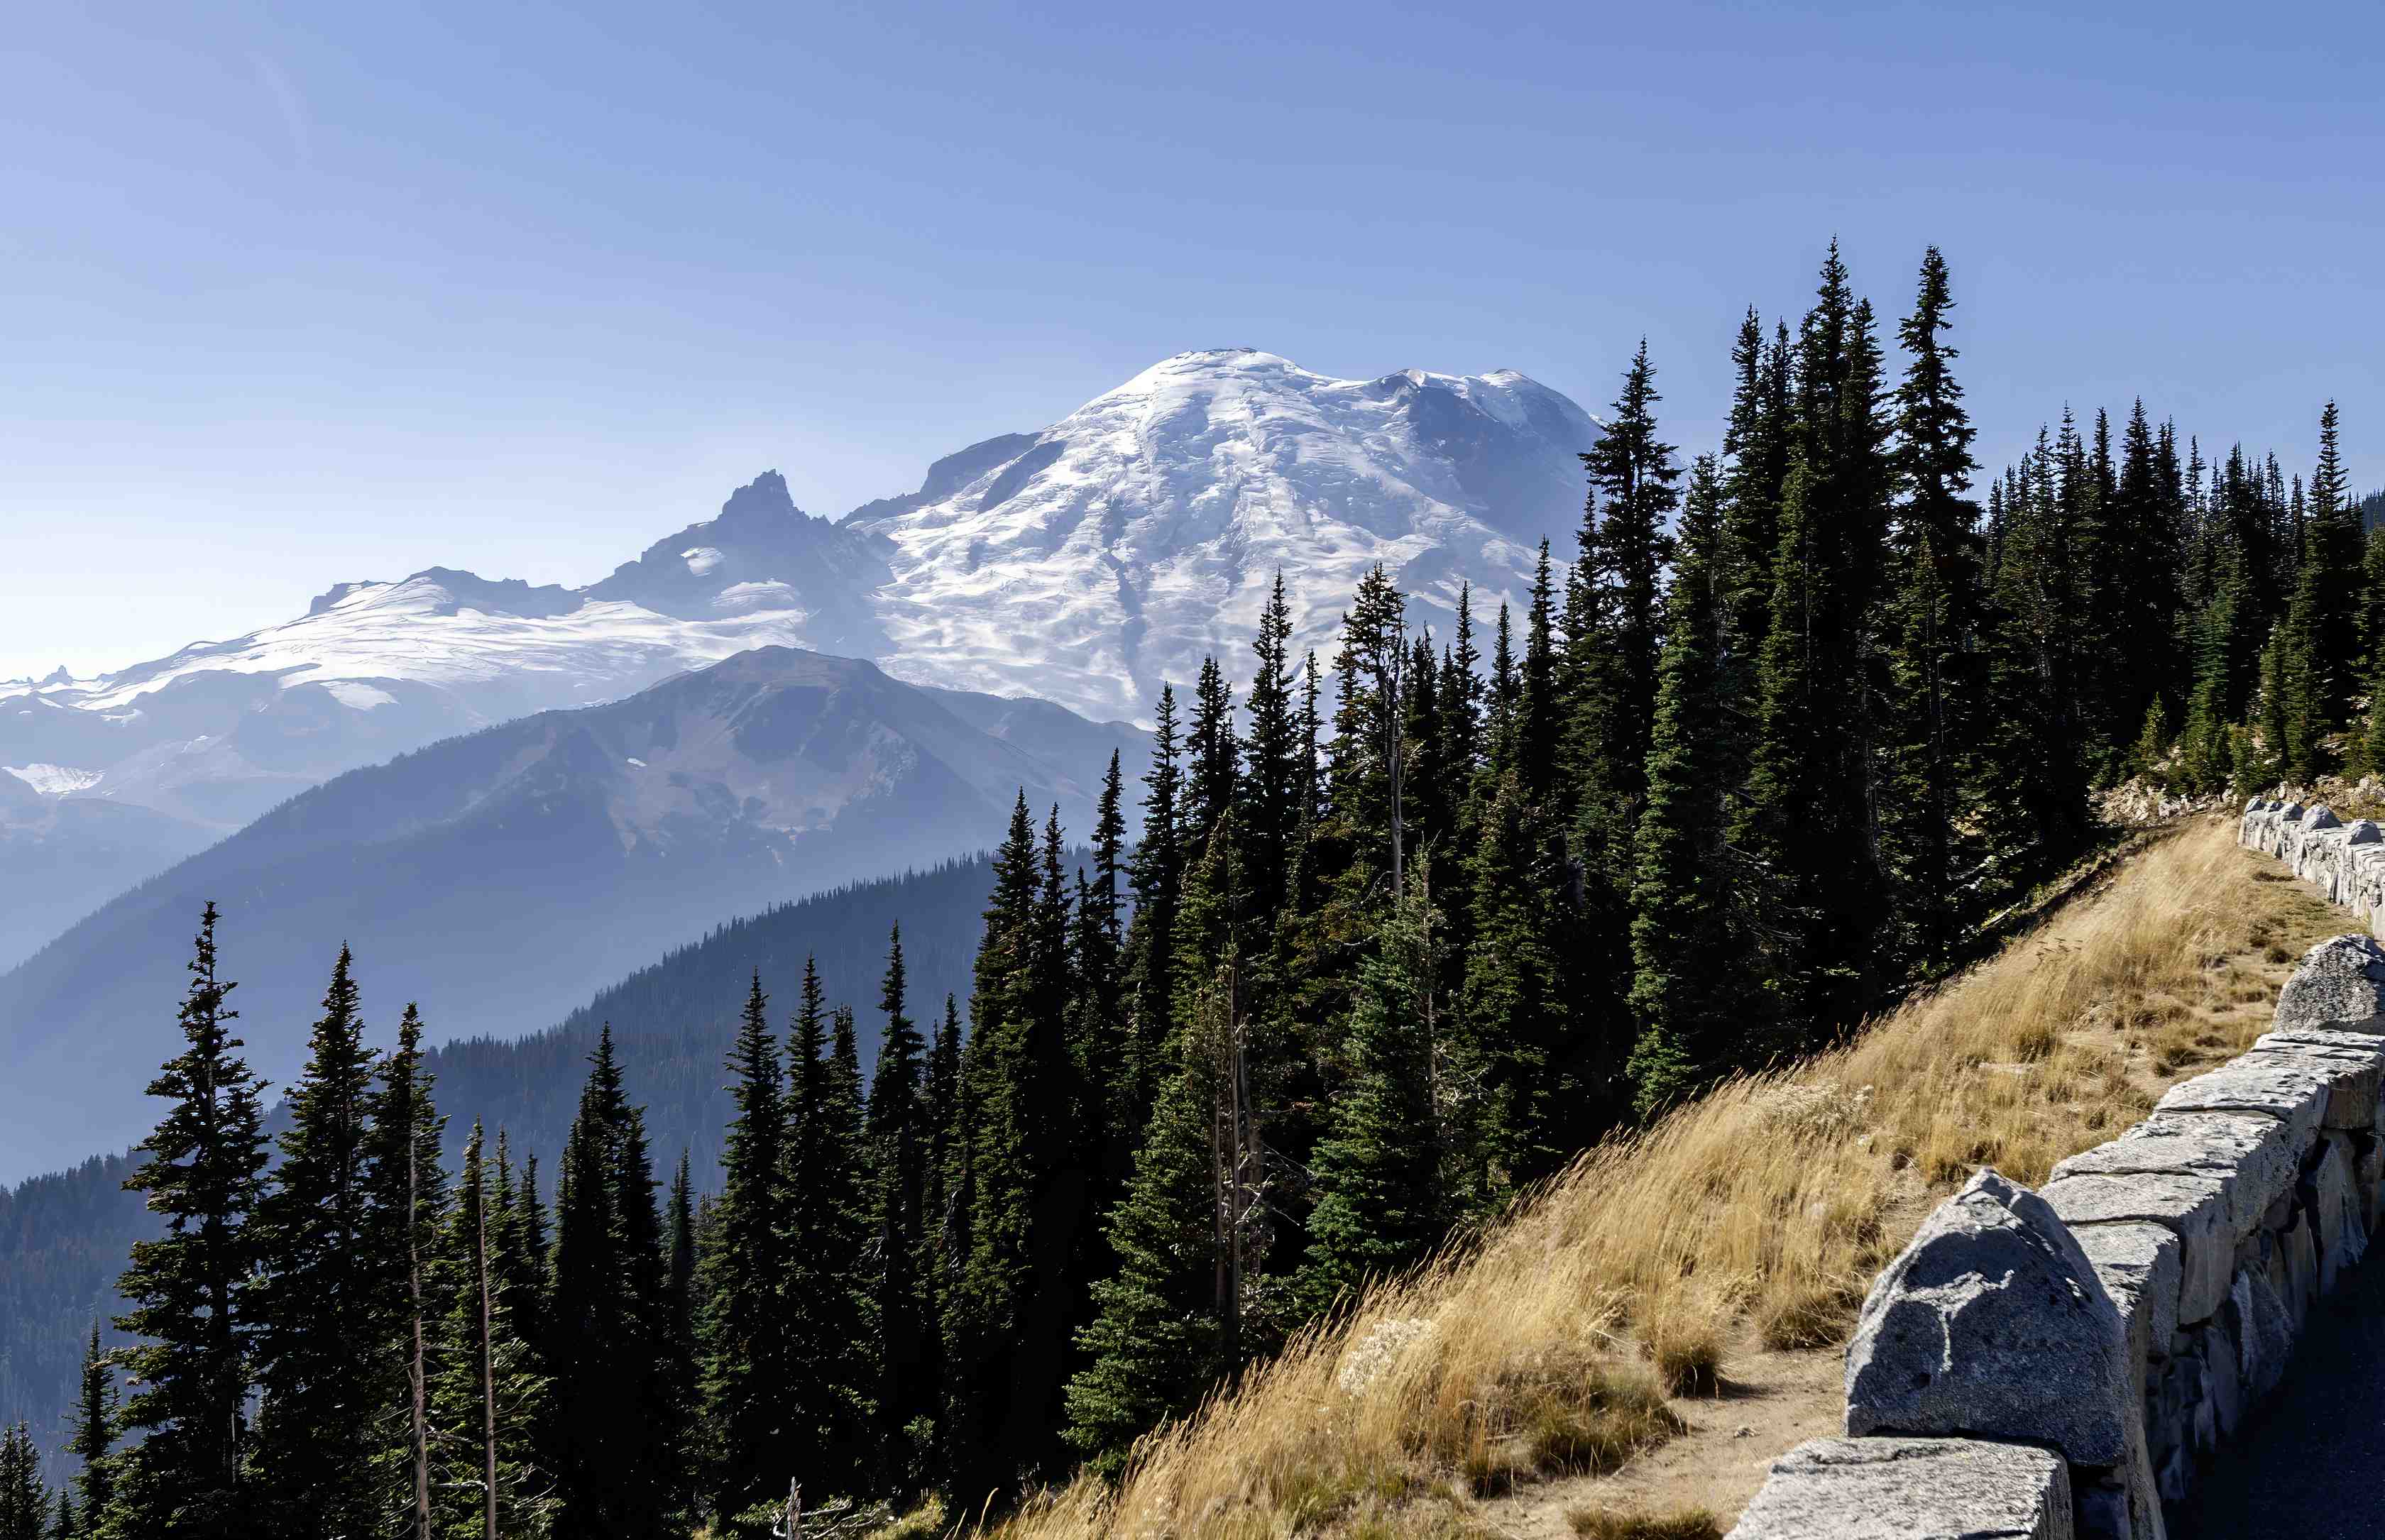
[1774,1201]
[1601,1523]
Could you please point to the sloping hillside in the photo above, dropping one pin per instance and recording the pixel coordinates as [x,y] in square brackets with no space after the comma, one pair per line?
[1588,1365]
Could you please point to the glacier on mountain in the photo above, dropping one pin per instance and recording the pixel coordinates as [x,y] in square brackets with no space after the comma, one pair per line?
[1083,564]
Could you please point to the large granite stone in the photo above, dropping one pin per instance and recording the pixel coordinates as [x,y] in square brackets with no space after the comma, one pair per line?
[2293,1092]
[2352,1062]
[2330,1195]
[1911,1489]
[1993,1323]
[2194,1209]
[2138,1265]
[2248,1154]
[2342,979]
[2267,1337]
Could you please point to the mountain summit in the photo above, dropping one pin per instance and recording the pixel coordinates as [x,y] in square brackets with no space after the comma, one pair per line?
[1112,550]
[1084,564]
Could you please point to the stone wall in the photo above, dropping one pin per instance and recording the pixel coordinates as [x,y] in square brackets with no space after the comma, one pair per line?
[2063,1362]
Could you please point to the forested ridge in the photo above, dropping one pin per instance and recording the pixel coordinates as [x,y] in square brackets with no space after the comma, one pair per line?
[1407,928]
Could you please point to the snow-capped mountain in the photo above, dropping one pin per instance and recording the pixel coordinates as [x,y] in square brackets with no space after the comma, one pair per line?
[1084,564]
[1112,550]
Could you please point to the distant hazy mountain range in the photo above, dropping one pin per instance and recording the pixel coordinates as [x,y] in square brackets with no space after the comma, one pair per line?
[1083,564]
[496,878]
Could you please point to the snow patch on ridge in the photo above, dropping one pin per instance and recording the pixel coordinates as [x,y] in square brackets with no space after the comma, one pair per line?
[55,780]
[360,697]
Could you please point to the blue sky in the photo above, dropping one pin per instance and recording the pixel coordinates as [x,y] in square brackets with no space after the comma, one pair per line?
[296,294]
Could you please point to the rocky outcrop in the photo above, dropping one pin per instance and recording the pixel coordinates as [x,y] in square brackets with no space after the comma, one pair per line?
[2122,1322]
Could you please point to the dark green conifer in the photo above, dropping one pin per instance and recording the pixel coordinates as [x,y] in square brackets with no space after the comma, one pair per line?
[1683,948]
[1930,718]
[324,1298]
[24,1501]
[749,1386]
[189,1292]
[409,1204]
[606,1329]
[898,1137]
[90,1430]
[1379,1205]
[1805,816]
[831,1289]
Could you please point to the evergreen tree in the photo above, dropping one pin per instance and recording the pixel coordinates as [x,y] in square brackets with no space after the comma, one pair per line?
[1153,1347]
[24,1501]
[1635,474]
[1806,811]
[749,1385]
[518,1263]
[1018,1297]
[188,1291]
[830,1291]
[1273,798]
[679,1368]
[898,1135]
[605,1331]
[1378,1207]
[1757,441]
[2034,778]
[485,1396]
[1215,753]
[324,1303]
[1682,939]
[1154,872]
[2321,650]
[1519,1025]
[1539,713]
[1505,690]
[1931,720]
[408,1206]
[90,1430]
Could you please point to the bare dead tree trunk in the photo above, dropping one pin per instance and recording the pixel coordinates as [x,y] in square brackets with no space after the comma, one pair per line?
[488,1379]
[414,1368]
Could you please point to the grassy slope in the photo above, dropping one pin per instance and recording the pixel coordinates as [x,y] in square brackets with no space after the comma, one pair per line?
[1502,1383]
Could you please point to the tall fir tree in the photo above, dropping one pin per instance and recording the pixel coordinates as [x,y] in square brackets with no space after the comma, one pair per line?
[1931,708]
[1806,813]
[1019,1296]
[189,1292]
[1214,752]
[828,1293]
[1153,872]
[90,1432]
[607,1324]
[1273,798]
[749,1386]
[1379,1205]
[1634,474]
[24,1501]
[486,1394]
[1684,945]
[898,1138]
[409,1202]
[324,1300]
